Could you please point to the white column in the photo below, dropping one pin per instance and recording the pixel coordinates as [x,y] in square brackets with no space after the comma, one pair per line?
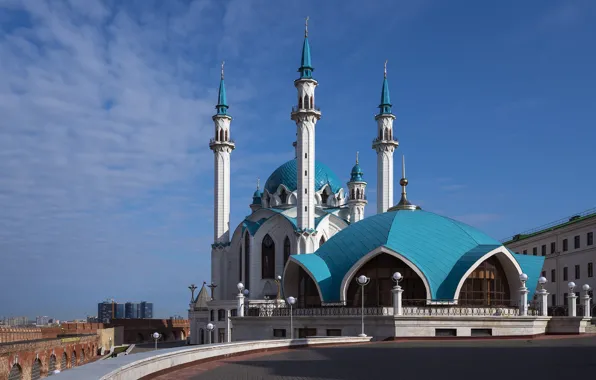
[228,326]
[397,295]
[572,302]
[543,297]
[523,300]
[240,299]
[586,301]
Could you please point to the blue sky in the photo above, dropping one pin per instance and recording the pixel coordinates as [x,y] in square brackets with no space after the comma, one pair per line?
[105,171]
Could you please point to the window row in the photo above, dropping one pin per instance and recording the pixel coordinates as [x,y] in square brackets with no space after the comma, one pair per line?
[577,273]
[553,245]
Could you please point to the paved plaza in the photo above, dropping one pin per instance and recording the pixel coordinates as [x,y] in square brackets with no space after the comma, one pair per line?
[540,359]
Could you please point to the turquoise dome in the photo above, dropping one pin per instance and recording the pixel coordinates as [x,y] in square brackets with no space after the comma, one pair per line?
[443,249]
[356,174]
[286,175]
[256,197]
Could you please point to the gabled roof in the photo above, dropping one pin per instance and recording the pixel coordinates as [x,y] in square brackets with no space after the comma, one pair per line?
[203,297]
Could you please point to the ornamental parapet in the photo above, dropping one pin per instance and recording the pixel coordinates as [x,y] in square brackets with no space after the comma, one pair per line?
[216,144]
[306,231]
[383,142]
[220,245]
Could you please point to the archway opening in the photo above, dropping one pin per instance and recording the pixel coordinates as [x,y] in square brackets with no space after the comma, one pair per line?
[378,292]
[52,364]
[36,370]
[486,286]
[308,295]
[63,361]
[73,359]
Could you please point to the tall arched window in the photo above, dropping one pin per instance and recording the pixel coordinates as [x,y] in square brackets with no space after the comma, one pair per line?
[312,102]
[308,295]
[300,102]
[305,101]
[268,257]
[240,263]
[286,250]
[486,285]
[324,197]
[322,241]
[226,134]
[378,292]
[221,135]
[247,261]
[353,194]
[283,196]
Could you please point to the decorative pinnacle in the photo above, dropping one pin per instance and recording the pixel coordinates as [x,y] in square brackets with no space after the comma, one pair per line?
[258,181]
[403,166]
[385,69]
[356,156]
[306,27]
[222,69]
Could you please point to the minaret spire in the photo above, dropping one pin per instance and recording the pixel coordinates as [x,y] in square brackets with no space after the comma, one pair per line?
[385,144]
[403,204]
[356,193]
[222,100]
[305,115]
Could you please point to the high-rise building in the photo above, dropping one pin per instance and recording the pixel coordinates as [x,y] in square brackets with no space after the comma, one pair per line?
[42,320]
[146,310]
[119,308]
[108,310]
[105,311]
[130,310]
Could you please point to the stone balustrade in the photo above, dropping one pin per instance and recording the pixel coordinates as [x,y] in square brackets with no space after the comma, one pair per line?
[143,364]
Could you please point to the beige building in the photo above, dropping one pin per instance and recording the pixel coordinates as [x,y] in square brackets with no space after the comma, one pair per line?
[569,249]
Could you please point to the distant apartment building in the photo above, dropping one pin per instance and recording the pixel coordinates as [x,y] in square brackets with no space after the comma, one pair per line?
[16,321]
[109,310]
[568,245]
[42,320]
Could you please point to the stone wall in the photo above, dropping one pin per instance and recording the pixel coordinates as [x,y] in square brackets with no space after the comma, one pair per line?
[25,353]
[140,330]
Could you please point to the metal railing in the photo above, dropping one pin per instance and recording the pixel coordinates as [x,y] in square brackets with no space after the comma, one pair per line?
[563,310]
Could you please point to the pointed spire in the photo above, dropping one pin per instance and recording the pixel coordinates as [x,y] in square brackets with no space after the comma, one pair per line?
[356,174]
[258,181]
[222,101]
[385,106]
[306,68]
[356,156]
[403,204]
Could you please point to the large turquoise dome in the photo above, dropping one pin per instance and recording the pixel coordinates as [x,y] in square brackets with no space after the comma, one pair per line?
[442,249]
[287,173]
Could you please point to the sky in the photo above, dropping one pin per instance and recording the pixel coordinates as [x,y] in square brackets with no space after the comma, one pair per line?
[106,178]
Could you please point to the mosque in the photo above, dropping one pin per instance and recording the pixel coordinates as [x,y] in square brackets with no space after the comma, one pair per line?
[307,237]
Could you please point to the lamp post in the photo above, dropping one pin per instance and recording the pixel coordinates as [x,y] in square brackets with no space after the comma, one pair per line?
[397,291]
[278,282]
[240,298]
[523,292]
[587,311]
[156,336]
[210,328]
[542,294]
[362,281]
[572,299]
[291,301]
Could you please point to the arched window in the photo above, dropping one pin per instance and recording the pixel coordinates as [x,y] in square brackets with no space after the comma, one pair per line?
[63,362]
[486,285]
[226,134]
[353,194]
[312,101]
[378,292]
[286,250]
[52,364]
[305,101]
[300,102]
[15,373]
[283,196]
[247,260]
[324,197]
[268,257]
[240,263]
[322,241]
[308,296]
[36,370]
[221,135]
[390,135]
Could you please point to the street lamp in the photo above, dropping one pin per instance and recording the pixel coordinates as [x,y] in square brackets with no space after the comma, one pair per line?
[210,328]
[278,282]
[291,301]
[542,280]
[156,336]
[571,286]
[192,289]
[362,281]
[397,291]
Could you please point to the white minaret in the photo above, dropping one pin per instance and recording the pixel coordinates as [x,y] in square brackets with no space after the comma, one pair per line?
[306,116]
[222,146]
[356,193]
[385,144]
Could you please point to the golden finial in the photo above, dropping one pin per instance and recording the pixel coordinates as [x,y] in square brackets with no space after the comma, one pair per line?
[356,156]
[222,69]
[306,27]
[385,70]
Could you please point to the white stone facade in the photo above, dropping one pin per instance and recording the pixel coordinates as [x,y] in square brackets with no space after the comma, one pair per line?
[570,253]
[385,146]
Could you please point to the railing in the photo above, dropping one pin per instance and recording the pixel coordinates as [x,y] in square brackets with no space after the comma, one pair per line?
[563,310]
[378,140]
[411,307]
[296,109]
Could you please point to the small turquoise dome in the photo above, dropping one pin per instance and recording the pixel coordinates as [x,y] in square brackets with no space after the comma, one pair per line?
[256,197]
[287,173]
[356,175]
[442,249]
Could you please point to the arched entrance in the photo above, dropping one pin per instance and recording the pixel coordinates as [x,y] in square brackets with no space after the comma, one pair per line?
[52,364]
[486,286]
[15,373]
[308,295]
[378,292]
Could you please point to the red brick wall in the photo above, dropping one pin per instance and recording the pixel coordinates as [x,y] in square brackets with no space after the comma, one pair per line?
[13,334]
